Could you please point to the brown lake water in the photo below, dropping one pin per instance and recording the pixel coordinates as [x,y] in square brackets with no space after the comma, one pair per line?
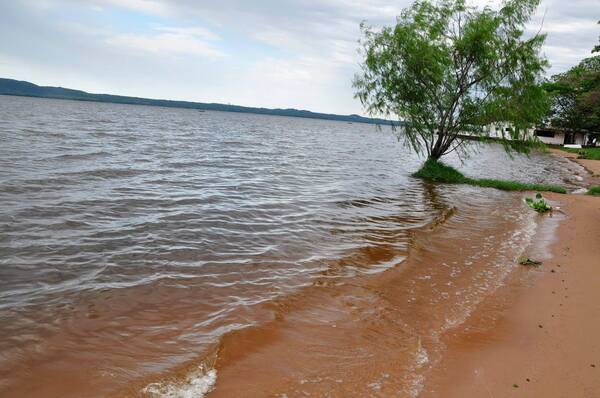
[158,252]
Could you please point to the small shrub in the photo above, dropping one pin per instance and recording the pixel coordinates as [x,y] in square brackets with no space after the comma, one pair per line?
[528,261]
[539,204]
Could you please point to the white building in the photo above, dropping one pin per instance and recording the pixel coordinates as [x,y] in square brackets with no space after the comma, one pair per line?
[503,130]
[547,135]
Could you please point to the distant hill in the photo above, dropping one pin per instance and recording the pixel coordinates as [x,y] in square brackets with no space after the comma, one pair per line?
[22,88]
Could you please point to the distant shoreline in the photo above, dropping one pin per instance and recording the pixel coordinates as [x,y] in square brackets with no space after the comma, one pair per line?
[27,89]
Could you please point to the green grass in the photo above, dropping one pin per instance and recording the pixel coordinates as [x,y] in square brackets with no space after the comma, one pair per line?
[585,153]
[439,172]
[594,190]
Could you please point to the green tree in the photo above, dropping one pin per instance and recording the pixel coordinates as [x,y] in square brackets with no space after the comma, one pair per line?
[576,97]
[448,69]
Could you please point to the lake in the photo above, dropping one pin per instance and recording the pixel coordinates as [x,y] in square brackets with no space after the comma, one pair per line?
[155,251]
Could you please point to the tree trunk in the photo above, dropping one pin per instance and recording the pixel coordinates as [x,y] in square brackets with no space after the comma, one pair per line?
[437,151]
[435,156]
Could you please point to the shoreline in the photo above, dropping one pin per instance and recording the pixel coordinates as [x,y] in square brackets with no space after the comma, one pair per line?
[591,166]
[542,344]
[515,324]
[375,322]
[378,335]
[292,353]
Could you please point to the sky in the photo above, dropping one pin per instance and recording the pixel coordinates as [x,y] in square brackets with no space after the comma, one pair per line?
[270,53]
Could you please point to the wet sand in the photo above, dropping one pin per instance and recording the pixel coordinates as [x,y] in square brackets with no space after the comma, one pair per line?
[592,166]
[544,344]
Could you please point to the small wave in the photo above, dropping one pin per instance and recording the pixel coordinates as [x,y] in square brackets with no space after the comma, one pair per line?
[365,202]
[107,173]
[68,225]
[196,385]
[80,156]
[441,218]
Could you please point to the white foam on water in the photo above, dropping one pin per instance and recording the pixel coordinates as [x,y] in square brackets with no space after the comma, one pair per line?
[375,386]
[422,358]
[196,385]
[416,387]
[510,247]
[415,381]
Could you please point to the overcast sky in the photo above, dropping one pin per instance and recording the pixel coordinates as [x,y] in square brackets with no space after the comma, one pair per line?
[272,53]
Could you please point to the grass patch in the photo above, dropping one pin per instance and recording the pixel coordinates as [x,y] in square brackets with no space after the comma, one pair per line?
[517,186]
[594,190]
[585,153]
[438,172]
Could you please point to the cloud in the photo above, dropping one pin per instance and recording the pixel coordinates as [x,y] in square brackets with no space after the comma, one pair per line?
[147,6]
[169,41]
[330,27]
[571,28]
[300,53]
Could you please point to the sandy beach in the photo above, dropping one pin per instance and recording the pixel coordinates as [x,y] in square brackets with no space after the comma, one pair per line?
[544,342]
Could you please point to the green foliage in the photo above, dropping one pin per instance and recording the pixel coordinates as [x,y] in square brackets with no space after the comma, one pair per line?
[436,171]
[519,186]
[595,190]
[576,97]
[585,153]
[539,204]
[448,68]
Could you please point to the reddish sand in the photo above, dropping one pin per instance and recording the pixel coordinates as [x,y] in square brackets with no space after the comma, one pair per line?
[546,342]
[592,165]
